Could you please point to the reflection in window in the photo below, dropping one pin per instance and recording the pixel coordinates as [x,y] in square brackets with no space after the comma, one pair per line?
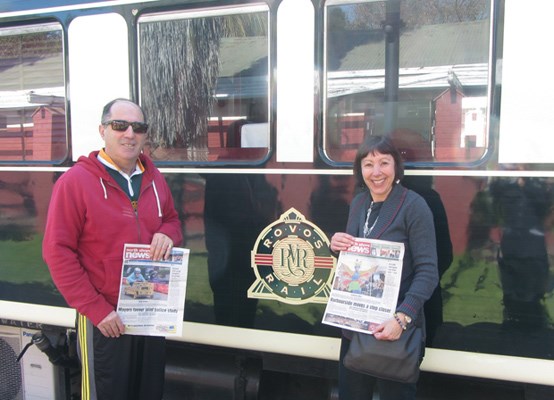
[204,85]
[32,94]
[411,70]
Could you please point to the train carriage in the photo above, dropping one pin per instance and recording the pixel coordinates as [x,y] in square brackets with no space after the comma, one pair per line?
[256,110]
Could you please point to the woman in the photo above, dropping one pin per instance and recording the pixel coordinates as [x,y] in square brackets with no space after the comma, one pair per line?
[391,212]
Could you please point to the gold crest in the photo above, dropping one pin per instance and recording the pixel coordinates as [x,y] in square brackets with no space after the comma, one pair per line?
[292,262]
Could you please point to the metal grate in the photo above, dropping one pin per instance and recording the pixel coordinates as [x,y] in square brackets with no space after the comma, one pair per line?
[10,370]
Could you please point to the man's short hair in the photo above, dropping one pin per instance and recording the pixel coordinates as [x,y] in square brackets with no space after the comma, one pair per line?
[107,110]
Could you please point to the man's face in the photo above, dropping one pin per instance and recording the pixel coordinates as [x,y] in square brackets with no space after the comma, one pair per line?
[123,147]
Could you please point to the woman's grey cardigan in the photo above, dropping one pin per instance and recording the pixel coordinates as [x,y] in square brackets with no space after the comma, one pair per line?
[404,217]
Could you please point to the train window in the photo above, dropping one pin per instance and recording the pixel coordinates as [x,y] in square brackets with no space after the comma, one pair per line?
[409,69]
[32,94]
[204,84]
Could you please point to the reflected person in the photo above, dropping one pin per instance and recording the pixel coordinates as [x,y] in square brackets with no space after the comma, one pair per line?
[237,208]
[523,204]
[422,185]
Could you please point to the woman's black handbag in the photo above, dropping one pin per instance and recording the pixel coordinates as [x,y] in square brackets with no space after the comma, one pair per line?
[397,360]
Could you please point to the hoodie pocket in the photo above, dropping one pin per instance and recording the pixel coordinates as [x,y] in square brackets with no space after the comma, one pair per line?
[112,277]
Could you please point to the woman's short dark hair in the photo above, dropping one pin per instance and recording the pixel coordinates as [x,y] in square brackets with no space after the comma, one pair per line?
[382,145]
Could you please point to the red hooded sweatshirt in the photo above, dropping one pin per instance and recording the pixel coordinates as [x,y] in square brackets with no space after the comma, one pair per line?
[90,218]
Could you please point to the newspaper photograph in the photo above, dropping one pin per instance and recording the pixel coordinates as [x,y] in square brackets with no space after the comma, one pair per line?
[152,293]
[365,286]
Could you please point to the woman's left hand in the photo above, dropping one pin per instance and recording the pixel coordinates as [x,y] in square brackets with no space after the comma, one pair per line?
[388,330]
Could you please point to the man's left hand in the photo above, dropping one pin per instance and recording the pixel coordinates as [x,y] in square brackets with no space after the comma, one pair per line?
[161,246]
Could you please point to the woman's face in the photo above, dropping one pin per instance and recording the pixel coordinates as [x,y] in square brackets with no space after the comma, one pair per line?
[378,174]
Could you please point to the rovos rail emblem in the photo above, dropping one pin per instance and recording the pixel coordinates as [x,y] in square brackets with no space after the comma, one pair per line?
[292,262]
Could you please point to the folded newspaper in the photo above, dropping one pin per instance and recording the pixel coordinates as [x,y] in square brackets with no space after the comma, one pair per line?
[152,292]
[365,286]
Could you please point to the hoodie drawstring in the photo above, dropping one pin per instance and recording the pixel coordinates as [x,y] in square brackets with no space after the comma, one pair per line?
[155,193]
[104,187]
[157,199]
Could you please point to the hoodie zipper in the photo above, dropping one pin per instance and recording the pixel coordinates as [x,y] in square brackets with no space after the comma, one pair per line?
[135,209]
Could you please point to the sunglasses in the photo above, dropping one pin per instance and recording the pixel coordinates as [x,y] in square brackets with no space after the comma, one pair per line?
[121,126]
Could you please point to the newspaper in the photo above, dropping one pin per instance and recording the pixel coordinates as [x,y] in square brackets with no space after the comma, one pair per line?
[366,284]
[152,293]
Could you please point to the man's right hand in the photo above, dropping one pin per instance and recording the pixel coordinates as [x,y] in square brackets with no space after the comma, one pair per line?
[112,326]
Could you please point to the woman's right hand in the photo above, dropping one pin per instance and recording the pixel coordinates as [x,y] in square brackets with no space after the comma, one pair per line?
[341,241]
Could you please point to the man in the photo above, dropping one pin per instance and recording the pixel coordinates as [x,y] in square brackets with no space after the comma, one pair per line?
[136,276]
[112,197]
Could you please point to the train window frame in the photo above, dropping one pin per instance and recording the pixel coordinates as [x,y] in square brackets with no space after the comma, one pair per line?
[486,72]
[242,139]
[87,49]
[44,109]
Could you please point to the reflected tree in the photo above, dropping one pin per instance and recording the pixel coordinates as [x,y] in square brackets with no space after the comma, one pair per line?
[179,70]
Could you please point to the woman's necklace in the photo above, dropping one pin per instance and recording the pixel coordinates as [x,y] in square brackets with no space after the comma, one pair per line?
[367,228]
